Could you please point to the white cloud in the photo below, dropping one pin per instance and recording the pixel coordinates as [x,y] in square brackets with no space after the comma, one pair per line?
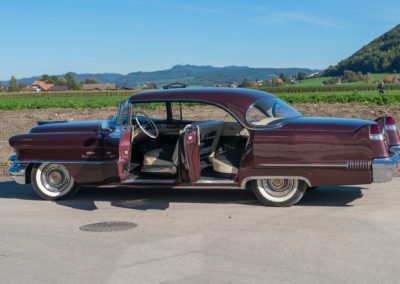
[280,18]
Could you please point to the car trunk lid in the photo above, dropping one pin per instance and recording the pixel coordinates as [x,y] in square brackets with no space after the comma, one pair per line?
[325,124]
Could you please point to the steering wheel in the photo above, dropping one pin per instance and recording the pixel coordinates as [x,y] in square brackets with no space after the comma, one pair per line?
[153,131]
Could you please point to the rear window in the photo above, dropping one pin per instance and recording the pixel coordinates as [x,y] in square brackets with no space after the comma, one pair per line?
[270,111]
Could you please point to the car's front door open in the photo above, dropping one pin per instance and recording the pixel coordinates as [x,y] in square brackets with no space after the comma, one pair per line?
[124,129]
[124,153]
[190,154]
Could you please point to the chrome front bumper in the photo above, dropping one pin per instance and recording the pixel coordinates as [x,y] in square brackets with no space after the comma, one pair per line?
[17,170]
[384,169]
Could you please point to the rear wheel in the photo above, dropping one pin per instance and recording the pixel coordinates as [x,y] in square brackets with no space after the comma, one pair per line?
[53,182]
[279,191]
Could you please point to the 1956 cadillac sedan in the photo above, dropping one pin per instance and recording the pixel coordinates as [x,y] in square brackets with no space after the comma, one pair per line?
[263,144]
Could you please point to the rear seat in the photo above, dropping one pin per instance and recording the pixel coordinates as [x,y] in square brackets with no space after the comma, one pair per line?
[227,162]
[210,132]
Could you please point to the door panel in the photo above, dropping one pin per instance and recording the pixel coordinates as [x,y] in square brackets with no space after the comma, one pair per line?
[124,158]
[191,161]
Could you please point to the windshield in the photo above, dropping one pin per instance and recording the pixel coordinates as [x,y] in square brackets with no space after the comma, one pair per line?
[270,111]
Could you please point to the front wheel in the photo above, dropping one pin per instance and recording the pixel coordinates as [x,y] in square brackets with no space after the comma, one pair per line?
[279,191]
[53,182]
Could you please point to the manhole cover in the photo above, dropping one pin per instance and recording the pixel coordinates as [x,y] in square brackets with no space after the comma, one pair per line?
[108,227]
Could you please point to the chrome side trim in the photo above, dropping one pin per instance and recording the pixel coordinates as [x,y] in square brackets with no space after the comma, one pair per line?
[243,184]
[306,165]
[209,187]
[384,169]
[166,186]
[359,165]
[150,181]
[213,181]
[65,162]
[349,165]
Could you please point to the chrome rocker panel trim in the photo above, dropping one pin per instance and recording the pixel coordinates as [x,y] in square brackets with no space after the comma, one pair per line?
[384,169]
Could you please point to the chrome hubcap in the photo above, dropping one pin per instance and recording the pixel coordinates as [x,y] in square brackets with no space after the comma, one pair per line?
[55,178]
[278,187]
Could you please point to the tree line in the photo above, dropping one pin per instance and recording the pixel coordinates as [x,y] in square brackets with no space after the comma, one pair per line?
[274,81]
[69,80]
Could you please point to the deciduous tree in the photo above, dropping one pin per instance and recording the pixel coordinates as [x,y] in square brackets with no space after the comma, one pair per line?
[301,76]
[21,86]
[71,81]
[245,83]
[13,85]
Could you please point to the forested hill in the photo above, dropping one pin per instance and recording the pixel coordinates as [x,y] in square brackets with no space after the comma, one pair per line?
[382,55]
[187,74]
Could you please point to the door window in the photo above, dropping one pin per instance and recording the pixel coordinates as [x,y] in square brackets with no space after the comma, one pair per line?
[156,111]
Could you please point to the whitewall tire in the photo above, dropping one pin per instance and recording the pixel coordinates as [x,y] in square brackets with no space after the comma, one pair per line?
[279,191]
[53,182]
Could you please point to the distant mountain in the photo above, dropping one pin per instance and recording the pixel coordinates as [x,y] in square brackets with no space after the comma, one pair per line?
[187,74]
[379,56]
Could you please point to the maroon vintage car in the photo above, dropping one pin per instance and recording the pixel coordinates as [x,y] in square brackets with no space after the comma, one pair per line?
[263,143]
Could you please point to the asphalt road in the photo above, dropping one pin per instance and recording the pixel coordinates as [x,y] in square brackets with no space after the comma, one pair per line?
[341,234]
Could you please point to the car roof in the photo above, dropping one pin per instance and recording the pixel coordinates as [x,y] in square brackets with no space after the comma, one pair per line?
[235,100]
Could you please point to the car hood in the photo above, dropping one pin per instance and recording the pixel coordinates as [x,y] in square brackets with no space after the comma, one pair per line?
[76,126]
[325,124]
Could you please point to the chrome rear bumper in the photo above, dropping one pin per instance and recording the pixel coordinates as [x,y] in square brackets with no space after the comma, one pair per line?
[384,169]
[17,170]
[395,149]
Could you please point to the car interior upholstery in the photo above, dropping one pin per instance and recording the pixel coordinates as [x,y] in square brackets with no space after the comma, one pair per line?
[221,148]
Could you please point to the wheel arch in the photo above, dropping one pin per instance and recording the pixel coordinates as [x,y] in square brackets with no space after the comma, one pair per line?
[245,181]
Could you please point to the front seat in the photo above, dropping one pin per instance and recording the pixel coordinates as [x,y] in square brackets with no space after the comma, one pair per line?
[161,160]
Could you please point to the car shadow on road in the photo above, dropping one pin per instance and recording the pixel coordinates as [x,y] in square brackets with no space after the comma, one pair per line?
[160,199]
[332,196]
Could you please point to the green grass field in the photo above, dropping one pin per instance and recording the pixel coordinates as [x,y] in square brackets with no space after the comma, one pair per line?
[356,97]
[309,92]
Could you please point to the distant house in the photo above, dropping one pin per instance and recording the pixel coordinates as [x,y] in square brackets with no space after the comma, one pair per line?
[41,86]
[29,89]
[279,80]
[99,87]
[392,79]
[125,88]
[58,88]
[257,83]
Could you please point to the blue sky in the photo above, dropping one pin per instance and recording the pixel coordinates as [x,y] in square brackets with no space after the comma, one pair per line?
[90,36]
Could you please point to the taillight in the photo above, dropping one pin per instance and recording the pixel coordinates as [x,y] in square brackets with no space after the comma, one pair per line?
[390,124]
[376,132]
